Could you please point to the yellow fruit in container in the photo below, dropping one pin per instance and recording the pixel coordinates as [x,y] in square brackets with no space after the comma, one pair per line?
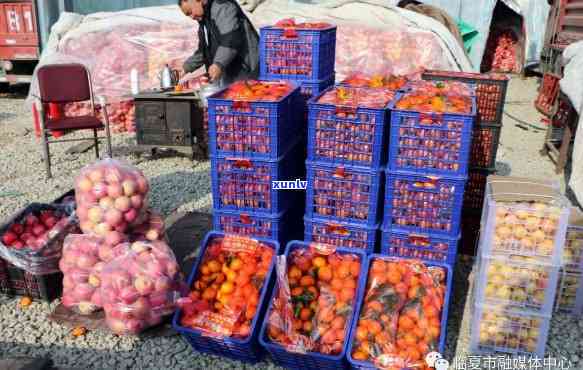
[490,290]
[522,214]
[546,247]
[504,293]
[519,295]
[511,220]
[520,232]
[531,345]
[512,342]
[527,243]
[503,232]
[532,223]
[538,236]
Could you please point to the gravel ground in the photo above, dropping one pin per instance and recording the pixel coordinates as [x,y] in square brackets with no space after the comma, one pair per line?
[183,185]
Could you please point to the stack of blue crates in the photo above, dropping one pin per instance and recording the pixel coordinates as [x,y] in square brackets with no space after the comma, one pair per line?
[305,56]
[426,177]
[253,144]
[346,157]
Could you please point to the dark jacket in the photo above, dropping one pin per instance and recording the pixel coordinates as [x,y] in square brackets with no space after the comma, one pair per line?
[230,41]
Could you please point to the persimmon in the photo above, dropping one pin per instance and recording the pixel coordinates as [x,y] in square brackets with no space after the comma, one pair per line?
[406,323]
[394,277]
[307,281]
[305,314]
[319,262]
[307,326]
[347,294]
[294,273]
[375,306]
[361,333]
[337,284]
[359,356]
[325,273]
[374,327]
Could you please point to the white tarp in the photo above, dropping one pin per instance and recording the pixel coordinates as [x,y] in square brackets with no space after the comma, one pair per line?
[373,36]
[571,85]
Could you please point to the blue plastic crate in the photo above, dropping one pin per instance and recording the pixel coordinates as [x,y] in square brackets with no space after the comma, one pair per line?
[258,130]
[436,143]
[297,54]
[240,184]
[347,235]
[426,247]
[512,330]
[570,292]
[283,227]
[245,350]
[363,365]
[344,193]
[309,88]
[313,360]
[347,135]
[423,204]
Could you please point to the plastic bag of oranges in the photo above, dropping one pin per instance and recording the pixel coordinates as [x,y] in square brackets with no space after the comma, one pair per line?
[400,319]
[226,291]
[314,304]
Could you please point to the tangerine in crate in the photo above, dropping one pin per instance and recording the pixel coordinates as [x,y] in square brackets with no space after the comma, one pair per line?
[313,305]
[403,315]
[221,314]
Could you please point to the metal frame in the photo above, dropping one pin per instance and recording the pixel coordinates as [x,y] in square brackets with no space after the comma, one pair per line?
[45,132]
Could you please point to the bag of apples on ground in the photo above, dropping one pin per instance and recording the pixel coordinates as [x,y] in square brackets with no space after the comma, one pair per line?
[33,239]
[111,197]
[140,287]
[226,291]
[400,318]
[314,304]
[84,257]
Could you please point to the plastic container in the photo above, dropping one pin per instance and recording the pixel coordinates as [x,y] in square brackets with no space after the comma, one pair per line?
[312,360]
[15,281]
[570,292]
[362,365]
[259,130]
[283,227]
[521,228]
[425,247]
[485,142]
[547,94]
[573,250]
[301,54]
[247,184]
[475,190]
[354,136]
[470,233]
[245,350]
[423,204]
[309,88]
[517,283]
[430,143]
[347,235]
[498,329]
[490,91]
[343,194]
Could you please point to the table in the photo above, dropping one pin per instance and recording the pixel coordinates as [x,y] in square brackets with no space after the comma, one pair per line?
[172,121]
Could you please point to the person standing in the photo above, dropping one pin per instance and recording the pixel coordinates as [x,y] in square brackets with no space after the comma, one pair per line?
[228,42]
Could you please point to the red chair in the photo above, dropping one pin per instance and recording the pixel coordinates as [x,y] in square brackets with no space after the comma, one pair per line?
[68,83]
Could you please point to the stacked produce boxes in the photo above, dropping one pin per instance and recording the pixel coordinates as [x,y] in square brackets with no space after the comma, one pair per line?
[520,251]
[347,143]
[431,132]
[300,52]
[255,143]
[490,98]
[570,291]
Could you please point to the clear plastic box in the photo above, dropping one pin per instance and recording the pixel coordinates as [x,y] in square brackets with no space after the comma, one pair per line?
[570,292]
[573,251]
[517,282]
[496,329]
[534,228]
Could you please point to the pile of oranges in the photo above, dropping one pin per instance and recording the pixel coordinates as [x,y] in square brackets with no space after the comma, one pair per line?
[314,315]
[437,97]
[225,293]
[390,82]
[400,319]
[257,90]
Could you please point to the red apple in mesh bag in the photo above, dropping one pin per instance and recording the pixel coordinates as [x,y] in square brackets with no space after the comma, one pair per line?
[9,238]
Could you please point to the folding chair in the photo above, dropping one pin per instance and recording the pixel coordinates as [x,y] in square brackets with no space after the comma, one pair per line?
[69,83]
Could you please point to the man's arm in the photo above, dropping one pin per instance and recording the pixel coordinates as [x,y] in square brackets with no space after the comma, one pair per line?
[194,62]
[231,33]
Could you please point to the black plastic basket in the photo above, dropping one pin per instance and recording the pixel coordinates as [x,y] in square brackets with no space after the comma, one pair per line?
[490,92]
[17,282]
